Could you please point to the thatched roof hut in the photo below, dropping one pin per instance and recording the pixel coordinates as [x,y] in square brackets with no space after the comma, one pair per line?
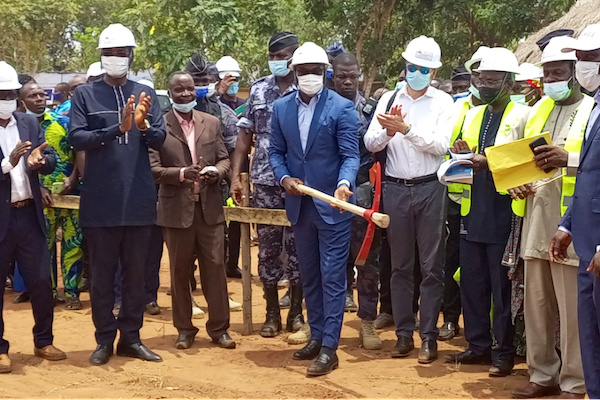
[582,14]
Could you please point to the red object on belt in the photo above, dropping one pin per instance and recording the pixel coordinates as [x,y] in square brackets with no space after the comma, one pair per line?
[361,259]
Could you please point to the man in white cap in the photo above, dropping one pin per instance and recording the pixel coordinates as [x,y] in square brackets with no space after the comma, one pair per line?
[413,129]
[487,218]
[581,222]
[551,287]
[229,82]
[116,120]
[23,156]
[314,139]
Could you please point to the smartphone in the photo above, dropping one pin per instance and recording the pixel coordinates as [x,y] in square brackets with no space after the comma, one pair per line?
[541,141]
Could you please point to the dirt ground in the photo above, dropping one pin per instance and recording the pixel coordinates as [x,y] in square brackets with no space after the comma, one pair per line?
[258,368]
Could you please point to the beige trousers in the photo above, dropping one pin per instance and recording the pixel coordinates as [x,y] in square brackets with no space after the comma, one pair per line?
[551,288]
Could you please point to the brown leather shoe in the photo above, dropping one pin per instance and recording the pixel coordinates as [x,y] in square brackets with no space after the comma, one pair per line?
[50,353]
[569,395]
[535,391]
[5,365]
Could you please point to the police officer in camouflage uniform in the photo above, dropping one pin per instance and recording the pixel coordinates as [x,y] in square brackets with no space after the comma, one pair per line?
[346,74]
[267,191]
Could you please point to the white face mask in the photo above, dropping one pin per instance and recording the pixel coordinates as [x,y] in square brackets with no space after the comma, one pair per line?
[310,84]
[7,108]
[115,67]
[588,74]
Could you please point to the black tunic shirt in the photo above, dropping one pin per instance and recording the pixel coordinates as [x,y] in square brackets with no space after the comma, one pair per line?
[490,218]
[118,188]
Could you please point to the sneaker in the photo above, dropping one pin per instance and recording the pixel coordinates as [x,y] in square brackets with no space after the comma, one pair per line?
[350,304]
[300,337]
[234,305]
[383,320]
[368,336]
[197,312]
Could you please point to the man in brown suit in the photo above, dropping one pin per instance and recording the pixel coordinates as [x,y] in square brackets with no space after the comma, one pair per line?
[188,167]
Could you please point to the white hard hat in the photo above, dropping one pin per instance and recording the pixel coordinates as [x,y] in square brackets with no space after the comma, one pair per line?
[116,35]
[528,71]
[553,51]
[9,80]
[146,82]
[587,41]
[95,69]
[228,65]
[476,57]
[309,53]
[499,59]
[424,52]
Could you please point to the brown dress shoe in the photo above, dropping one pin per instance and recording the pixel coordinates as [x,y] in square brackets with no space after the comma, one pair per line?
[535,391]
[50,353]
[5,366]
[569,395]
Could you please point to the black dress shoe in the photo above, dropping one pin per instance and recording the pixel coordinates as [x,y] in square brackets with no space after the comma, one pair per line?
[323,365]
[403,346]
[428,352]
[21,298]
[152,308]
[448,331]
[500,368]
[468,357]
[233,272]
[101,355]
[308,352]
[137,350]
[225,341]
[184,341]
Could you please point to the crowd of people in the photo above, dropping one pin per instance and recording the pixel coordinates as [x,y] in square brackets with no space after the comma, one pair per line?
[144,178]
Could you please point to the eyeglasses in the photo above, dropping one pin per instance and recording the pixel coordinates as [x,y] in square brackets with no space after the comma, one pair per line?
[414,68]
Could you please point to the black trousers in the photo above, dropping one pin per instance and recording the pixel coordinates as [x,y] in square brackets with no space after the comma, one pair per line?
[108,246]
[451,306]
[483,278]
[155,252]
[25,243]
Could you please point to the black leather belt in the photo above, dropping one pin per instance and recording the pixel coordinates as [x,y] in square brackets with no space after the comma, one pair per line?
[412,182]
[22,203]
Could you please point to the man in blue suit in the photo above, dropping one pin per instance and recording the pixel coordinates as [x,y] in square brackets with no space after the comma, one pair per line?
[314,141]
[23,154]
[581,222]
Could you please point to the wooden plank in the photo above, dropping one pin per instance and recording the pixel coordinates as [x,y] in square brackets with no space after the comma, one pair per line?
[246,275]
[69,201]
[256,216]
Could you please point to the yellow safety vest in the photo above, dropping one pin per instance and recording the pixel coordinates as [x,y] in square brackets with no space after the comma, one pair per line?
[466,106]
[471,136]
[539,116]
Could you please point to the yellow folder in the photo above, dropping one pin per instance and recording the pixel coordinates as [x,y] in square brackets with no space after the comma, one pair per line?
[512,163]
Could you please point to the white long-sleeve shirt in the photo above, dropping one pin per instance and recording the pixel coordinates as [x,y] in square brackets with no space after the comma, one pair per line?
[20,187]
[421,151]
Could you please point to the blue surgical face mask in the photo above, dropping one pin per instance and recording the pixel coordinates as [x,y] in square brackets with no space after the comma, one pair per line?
[279,67]
[329,73]
[28,111]
[518,98]
[206,91]
[233,89]
[417,81]
[558,91]
[185,107]
[400,85]
[475,92]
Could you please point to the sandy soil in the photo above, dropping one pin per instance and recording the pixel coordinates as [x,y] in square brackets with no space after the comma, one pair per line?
[258,368]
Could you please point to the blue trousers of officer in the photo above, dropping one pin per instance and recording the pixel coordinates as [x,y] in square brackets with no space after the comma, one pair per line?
[25,243]
[322,255]
[127,245]
[483,277]
[588,311]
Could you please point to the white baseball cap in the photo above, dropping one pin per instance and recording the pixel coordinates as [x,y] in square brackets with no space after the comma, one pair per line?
[9,79]
[424,52]
[587,41]
[95,69]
